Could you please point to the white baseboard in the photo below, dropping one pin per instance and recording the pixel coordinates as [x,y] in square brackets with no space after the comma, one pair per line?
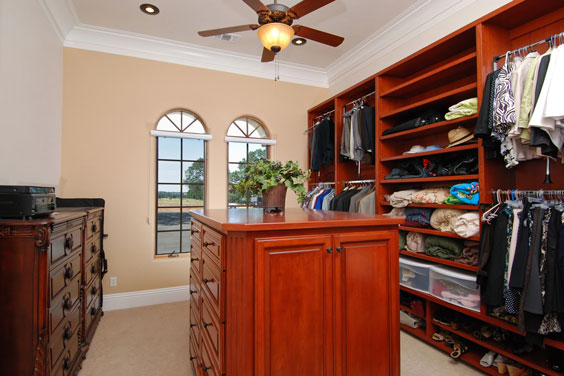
[146,297]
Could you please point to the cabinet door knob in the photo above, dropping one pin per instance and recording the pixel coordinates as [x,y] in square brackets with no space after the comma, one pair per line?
[339,249]
[206,324]
[330,250]
[192,259]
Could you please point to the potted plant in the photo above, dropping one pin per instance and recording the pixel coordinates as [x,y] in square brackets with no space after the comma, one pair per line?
[272,178]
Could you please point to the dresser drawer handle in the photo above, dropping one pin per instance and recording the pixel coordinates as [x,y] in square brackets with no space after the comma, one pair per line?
[69,242]
[69,272]
[339,249]
[206,324]
[93,248]
[193,291]
[67,363]
[195,231]
[192,325]
[93,311]
[67,303]
[67,333]
[93,269]
[204,368]
[209,243]
[207,280]
[192,259]
[94,227]
[192,357]
[94,290]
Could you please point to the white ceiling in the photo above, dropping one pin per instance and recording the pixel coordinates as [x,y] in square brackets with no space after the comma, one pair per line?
[180,20]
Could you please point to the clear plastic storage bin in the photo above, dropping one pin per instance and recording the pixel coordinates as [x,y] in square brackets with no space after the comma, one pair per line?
[414,274]
[455,286]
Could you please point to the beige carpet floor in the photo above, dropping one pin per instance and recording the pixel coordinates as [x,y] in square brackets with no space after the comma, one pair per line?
[153,341]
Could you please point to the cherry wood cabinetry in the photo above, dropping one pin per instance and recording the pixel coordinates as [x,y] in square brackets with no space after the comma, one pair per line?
[45,288]
[302,293]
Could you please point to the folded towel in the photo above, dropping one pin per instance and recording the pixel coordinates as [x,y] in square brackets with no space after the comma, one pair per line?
[466,107]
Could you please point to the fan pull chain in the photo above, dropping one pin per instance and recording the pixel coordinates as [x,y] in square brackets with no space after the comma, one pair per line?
[276,68]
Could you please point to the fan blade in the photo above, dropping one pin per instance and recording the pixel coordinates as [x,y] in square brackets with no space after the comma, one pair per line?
[257,5]
[307,6]
[267,55]
[318,36]
[226,30]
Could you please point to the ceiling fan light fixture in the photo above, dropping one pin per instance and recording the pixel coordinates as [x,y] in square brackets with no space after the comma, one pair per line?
[275,36]
[149,9]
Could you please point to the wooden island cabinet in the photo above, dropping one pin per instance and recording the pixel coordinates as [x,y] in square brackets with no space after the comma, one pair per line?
[304,293]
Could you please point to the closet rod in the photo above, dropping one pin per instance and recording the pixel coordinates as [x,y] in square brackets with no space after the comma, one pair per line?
[498,194]
[323,183]
[359,181]
[497,58]
[359,99]
[317,117]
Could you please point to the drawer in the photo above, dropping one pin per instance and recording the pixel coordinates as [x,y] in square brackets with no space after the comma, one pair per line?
[414,274]
[93,227]
[60,309]
[195,289]
[63,245]
[196,233]
[194,349]
[213,284]
[65,336]
[195,324]
[196,258]
[196,369]
[92,291]
[60,278]
[66,360]
[213,331]
[455,286]
[92,269]
[91,248]
[91,312]
[208,364]
[212,244]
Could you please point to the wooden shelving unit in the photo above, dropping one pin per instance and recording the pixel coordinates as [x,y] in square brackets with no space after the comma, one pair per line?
[431,179]
[431,129]
[430,231]
[437,206]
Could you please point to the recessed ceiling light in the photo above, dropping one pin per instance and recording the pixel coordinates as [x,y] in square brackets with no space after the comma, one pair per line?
[149,9]
[298,41]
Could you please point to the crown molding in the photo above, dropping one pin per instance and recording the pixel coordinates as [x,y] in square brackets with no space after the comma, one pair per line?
[375,52]
[62,16]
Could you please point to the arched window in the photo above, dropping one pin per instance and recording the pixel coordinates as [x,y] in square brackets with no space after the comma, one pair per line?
[247,141]
[181,178]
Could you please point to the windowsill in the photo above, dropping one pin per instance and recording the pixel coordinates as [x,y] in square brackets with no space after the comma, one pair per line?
[165,257]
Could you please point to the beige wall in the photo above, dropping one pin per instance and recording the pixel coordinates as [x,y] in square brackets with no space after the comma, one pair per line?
[110,104]
[31,71]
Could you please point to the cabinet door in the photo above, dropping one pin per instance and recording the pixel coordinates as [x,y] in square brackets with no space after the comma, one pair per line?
[294,330]
[366,304]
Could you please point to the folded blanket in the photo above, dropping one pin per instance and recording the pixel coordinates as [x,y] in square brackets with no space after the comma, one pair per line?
[452,200]
[444,219]
[466,107]
[430,196]
[396,212]
[467,225]
[415,242]
[446,248]
[466,192]
[419,217]
[469,256]
[401,199]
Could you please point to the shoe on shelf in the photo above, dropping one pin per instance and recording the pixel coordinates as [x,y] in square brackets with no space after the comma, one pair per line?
[459,348]
[488,359]
[517,370]
[443,316]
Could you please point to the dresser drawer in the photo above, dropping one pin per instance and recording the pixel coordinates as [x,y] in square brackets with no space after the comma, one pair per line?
[65,336]
[61,308]
[208,364]
[213,282]
[92,269]
[93,227]
[92,291]
[63,245]
[60,278]
[196,233]
[213,331]
[212,244]
[91,248]
[64,366]
[92,311]
[196,258]
[195,289]
[195,324]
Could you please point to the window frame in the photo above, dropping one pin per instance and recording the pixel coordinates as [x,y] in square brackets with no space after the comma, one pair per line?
[180,135]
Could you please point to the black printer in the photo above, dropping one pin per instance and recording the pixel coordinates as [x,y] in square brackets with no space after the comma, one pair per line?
[23,201]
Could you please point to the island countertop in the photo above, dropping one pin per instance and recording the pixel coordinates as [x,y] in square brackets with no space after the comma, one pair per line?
[254,219]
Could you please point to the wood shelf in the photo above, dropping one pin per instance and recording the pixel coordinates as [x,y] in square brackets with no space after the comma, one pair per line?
[430,231]
[533,360]
[431,179]
[436,206]
[437,260]
[460,66]
[466,91]
[554,343]
[431,129]
[429,153]
[410,311]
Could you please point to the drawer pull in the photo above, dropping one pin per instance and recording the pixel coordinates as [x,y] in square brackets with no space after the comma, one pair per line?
[93,268]
[69,272]
[339,249]
[208,280]
[329,250]
[195,231]
[93,311]
[67,363]
[192,357]
[94,227]
[69,242]
[67,333]
[192,259]
[193,292]
[206,324]
[192,325]
[204,368]
[209,243]
[94,290]
[93,248]
[67,303]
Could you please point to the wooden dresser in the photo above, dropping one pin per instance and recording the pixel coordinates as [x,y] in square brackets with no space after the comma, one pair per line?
[305,293]
[50,281]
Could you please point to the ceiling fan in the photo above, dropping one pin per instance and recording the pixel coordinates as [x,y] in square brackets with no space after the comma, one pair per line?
[274,26]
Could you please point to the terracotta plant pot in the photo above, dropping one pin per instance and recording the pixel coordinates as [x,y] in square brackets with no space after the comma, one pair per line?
[274,199]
